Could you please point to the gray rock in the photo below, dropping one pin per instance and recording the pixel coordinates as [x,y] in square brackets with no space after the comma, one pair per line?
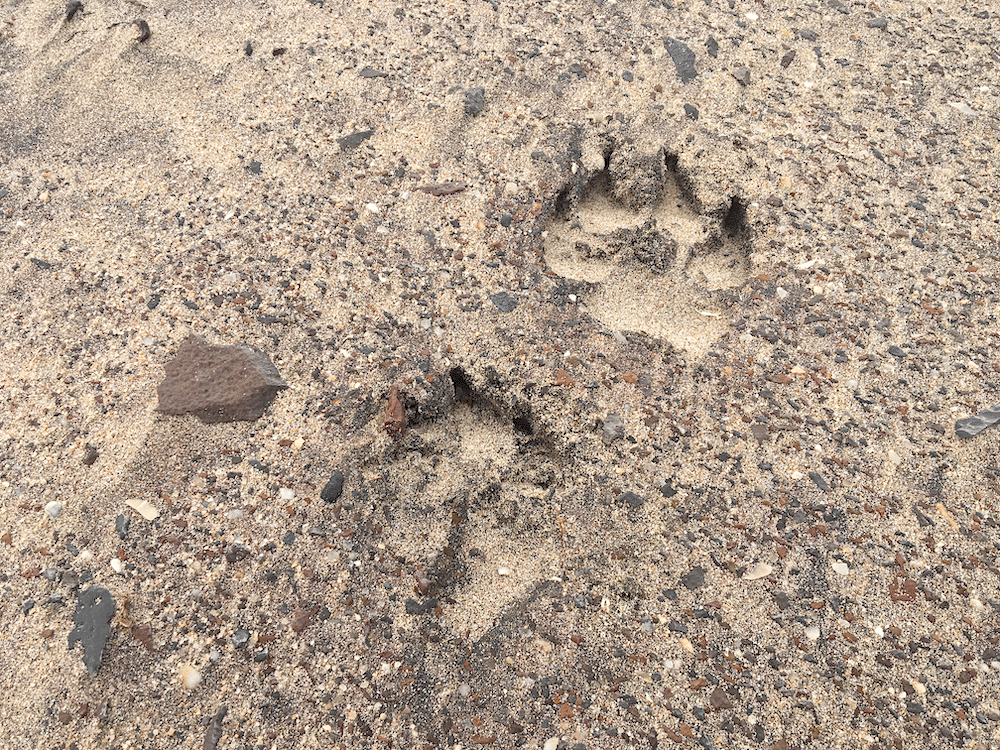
[972,426]
[819,481]
[240,638]
[474,101]
[632,500]
[683,58]
[122,524]
[504,301]
[612,429]
[742,74]
[214,732]
[218,383]
[94,610]
[352,141]
[878,23]
[694,579]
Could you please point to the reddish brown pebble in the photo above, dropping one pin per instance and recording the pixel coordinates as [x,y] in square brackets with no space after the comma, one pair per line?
[218,383]
[395,415]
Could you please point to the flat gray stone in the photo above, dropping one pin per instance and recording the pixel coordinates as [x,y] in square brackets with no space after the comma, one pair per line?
[972,426]
[94,610]
[683,58]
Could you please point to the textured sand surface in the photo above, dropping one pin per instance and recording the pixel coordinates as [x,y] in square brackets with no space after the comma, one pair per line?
[682,300]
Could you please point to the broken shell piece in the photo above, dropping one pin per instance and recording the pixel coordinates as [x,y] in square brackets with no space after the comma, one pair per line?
[145,509]
[758,571]
[841,568]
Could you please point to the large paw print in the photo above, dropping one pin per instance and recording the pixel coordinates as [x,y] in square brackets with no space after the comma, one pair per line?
[638,232]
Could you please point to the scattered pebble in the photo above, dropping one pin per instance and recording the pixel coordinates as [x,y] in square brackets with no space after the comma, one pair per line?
[53,509]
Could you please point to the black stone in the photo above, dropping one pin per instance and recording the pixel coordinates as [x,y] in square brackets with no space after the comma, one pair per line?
[683,58]
[895,351]
[691,111]
[712,46]
[94,610]
[254,167]
[248,48]
[122,524]
[289,538]
[334,488]
[354,140]
[240,638]
[72,8]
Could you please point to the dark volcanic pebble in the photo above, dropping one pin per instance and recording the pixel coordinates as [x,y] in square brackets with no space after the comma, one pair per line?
[90,455]
[92,619]
[691,111]
[819,481]
[214,732]
[632,500]
[354,140]
[972,426]
[218,383]
[694,579]
[683,58]
[240,638]
[474,101]
[333,488]
[504,301]
[122,524]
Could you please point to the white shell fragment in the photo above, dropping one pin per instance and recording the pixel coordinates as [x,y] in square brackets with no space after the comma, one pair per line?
[53,509]
[812,632]
[841,568]
[145,509]
[190,677]
[758,571]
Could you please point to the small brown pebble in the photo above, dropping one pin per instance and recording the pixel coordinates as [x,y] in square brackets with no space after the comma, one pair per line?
[395,415]
[48,633]
[6,538]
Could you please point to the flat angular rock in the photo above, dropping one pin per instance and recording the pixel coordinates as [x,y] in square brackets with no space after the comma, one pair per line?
[218,383]
[972,426]
[94,610]
[683,58]
[334,488]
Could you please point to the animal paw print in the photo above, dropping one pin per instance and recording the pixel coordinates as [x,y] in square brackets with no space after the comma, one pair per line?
[638,231]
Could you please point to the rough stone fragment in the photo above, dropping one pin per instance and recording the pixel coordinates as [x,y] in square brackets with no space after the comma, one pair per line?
[90,455]
[972,426]
[443,188]
[504,301]
[214,732]
[878,23]
[352,141]
[742,74]
[719,700]
[333,488]
[395,414]
[218,383]
[612,429]
[683,58]
[370,72]
[72,8]
[819,481]
[691,111]
[694,579]
[94,610]
[632,500]
[122,524]
[474,101]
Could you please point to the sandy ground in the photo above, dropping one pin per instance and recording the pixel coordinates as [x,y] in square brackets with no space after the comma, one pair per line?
[682,299]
